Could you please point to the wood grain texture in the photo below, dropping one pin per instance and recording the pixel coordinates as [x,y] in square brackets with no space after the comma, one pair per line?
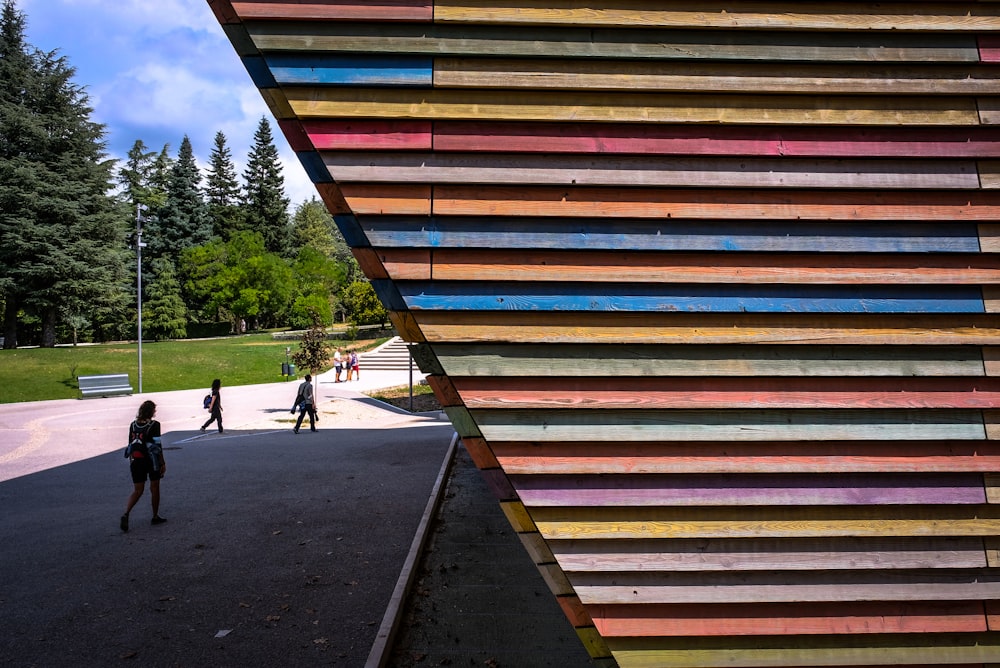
[718,205]
[636,43]
[580,360]
[709,328]
[617,170]
[601,266]
[734,425]
[585,457]
[769,554]
[368,135]
[788,619]
[487,106]
[923,16]
[667,76]
[665,139]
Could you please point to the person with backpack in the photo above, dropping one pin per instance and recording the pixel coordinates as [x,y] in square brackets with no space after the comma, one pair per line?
[214,406]
[304,402]
[145,453]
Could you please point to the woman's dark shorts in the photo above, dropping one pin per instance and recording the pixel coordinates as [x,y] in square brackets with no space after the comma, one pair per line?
[141,470]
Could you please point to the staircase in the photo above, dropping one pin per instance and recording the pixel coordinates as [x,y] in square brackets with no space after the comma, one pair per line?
[393,355]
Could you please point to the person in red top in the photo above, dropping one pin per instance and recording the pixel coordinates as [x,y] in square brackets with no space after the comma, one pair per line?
[145,453]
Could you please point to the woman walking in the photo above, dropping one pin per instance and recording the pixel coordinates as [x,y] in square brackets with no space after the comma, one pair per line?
[145,453]
[215,407]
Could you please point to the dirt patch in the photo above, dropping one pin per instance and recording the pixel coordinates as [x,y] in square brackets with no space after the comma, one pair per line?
[423,401]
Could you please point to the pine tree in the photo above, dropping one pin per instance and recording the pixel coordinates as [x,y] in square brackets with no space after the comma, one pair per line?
[183,220]
[167,315]
[265,204]
[222,190]
[62,250]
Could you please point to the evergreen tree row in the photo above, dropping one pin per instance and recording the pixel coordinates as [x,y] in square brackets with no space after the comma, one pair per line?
[214,250]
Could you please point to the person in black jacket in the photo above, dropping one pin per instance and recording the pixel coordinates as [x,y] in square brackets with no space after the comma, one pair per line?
[145,453]
[215,408]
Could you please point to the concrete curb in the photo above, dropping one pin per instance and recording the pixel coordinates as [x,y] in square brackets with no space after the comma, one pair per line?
[382,647]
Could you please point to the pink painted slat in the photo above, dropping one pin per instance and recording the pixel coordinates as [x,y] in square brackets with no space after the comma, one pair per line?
[989,48]
[980,142]
[369,135]
[749,490]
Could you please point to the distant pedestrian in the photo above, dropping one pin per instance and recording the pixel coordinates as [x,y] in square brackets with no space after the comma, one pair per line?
[354,365]
[348,367]
[215,407]
[305,403]
[145,453]
[338,364]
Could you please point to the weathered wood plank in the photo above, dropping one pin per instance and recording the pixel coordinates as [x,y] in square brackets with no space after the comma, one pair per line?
[862,651]
[638,139]
[396,199]
[788,618]
[594,457]
[526,233]
[989,48]
[480,452]
[224,12]
[363,70]
[646,297]
[442,104]
[735,425]
[769,554]
[763,522]
[369,135]
[673,76]
[600,391]
[923,16]
[618,170]
[750,489]
[719,205]
[324,10]
[577,360]
[559,41]
[709,328]
[603,266]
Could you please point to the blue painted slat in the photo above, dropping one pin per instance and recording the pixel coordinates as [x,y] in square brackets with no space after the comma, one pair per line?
[350,228]
[352,70]
[259,72]
[312,162]
[515,296]
[791,236]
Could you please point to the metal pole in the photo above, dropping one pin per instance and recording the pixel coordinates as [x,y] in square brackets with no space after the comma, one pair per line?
[138,274]
[411,377]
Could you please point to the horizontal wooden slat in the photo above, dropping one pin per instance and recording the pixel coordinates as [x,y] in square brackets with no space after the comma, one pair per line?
[601,266]
[637,138]
[524,233]
[441,104]
[749,489]
[765,522]
[366,70]
[381,10]
[616,170]
[862,651]
[784,78]
[736,619]
[594,457]
[576,360]
[925,16]
[560,41]
[647,297]
[710,204]
[368,135]
[603,392]
[751,554]
[735,425]
[706,328]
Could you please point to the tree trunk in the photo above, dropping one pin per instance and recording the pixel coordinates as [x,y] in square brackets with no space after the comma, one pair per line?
[49,328]
[10,323]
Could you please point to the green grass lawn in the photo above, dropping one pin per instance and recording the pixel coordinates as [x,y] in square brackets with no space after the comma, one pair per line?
[38,374]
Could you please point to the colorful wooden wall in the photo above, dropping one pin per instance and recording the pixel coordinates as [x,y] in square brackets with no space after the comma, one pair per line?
[709,291]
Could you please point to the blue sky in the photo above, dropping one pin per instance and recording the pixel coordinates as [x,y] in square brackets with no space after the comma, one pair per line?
[156,70]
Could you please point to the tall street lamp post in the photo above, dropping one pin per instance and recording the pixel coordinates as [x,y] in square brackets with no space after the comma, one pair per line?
[139,245]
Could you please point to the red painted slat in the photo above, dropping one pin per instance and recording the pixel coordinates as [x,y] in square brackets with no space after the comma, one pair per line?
[338,10]
[842,142]
[777,619]
[686,392]
[989,48]
[369,135]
